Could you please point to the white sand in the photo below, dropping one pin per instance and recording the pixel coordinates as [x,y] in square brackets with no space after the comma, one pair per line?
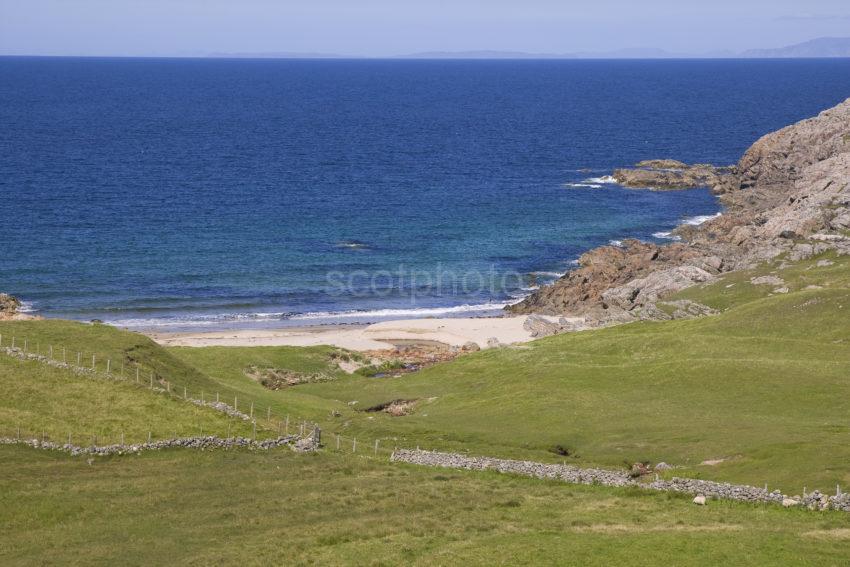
[453,331]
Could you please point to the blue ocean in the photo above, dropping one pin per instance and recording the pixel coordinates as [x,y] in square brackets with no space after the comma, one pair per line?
[204,193]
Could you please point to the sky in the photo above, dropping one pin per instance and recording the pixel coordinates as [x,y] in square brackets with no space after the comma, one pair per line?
[394,27]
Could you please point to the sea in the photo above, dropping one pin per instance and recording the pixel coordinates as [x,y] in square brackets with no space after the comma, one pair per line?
[191,194]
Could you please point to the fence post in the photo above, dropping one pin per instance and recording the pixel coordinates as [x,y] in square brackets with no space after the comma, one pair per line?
[252,410]
[92,362]
[13,341]
[122,438]
[354,445]
[337,441]
[151,380]
[216,397]
[69,439]
[50,352]
[286,431]
[254,423]
[63,356]
[108,364]
[268,413]
[376,446]
[137,375]
[184,392]
[149,437]
[79,359]
[26,345]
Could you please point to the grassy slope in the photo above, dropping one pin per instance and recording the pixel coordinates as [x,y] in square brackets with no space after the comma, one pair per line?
[180,507]
[226,367]
[764,385]
[38,399]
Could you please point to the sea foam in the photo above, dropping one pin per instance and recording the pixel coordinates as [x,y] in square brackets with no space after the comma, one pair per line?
[700,219]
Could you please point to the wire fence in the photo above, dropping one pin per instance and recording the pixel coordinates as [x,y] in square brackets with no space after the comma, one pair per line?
[264,421]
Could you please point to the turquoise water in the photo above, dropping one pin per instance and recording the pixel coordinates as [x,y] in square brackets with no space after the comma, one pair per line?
[205,193]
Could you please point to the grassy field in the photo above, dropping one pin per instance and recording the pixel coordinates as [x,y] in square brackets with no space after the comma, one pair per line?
[763,386]
[41,400]
[184,507]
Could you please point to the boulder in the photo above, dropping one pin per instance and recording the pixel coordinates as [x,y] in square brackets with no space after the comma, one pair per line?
[699,500]
[540,326]
[9,305]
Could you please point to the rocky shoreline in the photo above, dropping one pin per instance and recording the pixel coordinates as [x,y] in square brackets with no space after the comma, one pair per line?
[671,175]
[10,309]
[788,195]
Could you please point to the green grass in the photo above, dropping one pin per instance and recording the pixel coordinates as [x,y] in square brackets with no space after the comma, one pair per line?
[121,348]
[764,386]
[225,368]
[251,508]
[41,400]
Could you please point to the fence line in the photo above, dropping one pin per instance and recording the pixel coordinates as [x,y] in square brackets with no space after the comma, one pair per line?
[280,424]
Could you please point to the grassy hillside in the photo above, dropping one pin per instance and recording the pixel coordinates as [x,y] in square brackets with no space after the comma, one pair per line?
[762,386]
[181,507]
[41,400]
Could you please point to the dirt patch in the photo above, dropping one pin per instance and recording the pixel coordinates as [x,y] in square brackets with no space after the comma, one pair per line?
[622,528]
[280,378]
[396,408]
[839,533]
[409,357]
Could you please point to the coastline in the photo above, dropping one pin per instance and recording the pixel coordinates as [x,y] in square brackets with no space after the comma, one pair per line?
[507,328]
[450,332]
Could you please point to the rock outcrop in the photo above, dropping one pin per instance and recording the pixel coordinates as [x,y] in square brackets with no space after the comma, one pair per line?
[10,309]
[789,194]
[670,175]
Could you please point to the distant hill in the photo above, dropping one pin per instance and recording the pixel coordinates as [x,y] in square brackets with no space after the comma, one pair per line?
[629,53]
[279,55]
[820,47]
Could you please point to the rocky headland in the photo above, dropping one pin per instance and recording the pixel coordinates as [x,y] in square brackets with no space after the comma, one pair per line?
[671,175]
[10,309]
[788,195]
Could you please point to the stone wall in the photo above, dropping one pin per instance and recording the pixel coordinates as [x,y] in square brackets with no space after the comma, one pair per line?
[571,474]
[209,442]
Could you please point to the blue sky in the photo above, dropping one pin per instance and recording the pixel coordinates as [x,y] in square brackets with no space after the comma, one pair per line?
[392,27]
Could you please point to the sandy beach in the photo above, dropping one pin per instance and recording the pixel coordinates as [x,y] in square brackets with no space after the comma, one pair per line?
[383,335]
